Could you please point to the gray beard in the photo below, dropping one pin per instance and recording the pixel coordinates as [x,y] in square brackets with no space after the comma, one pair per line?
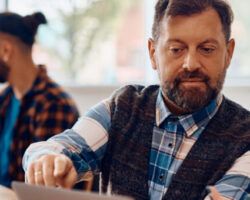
[193,99]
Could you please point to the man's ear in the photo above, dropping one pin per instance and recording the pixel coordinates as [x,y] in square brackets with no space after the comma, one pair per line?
[151,50]
[230,51]
[6,50]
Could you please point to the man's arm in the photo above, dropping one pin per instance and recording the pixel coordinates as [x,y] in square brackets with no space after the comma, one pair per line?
[235,184]
[80,149]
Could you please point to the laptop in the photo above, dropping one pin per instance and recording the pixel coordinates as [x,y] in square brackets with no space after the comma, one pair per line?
[30,192]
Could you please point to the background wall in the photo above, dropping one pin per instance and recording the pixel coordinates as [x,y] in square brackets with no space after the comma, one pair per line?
[86,97]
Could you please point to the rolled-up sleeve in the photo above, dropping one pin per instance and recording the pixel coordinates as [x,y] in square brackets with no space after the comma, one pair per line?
[84,144]
[235,184]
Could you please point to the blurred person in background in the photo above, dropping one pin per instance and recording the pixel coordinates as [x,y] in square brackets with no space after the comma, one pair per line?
[32,106]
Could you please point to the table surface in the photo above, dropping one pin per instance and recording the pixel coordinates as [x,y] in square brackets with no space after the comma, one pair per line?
[7,194]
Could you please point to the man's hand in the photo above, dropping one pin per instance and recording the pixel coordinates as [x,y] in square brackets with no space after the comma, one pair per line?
[52,170]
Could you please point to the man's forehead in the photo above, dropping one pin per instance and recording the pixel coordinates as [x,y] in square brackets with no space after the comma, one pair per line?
[207,40]
[206,23]
[209,11]
[7,37]
[4,35]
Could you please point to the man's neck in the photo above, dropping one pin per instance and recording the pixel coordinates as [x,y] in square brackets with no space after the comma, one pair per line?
[22,79]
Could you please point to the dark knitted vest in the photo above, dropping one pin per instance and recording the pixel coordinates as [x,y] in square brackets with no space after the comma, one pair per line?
[126,162]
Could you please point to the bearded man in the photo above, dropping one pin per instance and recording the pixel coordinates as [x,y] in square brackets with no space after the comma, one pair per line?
[170,141]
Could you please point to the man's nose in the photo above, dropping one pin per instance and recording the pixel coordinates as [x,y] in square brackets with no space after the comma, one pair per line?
[191,62]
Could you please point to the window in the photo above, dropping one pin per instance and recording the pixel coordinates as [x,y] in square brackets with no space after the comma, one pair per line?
[93,42]
[239,71]
[90,41]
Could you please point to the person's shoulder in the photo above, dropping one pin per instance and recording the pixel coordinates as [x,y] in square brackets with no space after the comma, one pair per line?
[134,90]
[53,97]
[132,96]
[238,117]
[54,92]
[237,108]
[48,88]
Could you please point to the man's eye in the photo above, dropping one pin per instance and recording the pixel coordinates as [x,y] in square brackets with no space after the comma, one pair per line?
[176,50]
[206,50]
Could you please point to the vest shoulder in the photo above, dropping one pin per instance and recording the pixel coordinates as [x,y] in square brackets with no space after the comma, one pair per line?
[133,99]
[134,91]
[234,119]
[236,108]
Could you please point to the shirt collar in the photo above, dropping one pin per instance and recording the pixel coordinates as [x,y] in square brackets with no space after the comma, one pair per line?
[162,112]
[38,86]
[190,122]
[40,82]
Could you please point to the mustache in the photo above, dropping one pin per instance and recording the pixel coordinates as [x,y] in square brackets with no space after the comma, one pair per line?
[191,75]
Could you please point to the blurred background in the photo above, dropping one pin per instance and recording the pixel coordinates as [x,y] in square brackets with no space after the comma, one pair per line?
[94,46]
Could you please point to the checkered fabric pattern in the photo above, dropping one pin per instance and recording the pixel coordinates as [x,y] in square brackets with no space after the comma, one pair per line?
[173,137]
[45,111]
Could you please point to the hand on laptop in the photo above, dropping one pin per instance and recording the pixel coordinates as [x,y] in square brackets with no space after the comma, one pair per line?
[52,170]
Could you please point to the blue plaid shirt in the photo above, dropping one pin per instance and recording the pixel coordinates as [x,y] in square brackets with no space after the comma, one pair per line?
[170,136]
[173,137]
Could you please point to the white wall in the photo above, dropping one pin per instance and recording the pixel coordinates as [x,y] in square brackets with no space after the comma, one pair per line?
[86,97]
[240,94]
